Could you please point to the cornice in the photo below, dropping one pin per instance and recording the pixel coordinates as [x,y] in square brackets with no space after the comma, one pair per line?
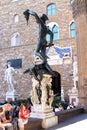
[79,7]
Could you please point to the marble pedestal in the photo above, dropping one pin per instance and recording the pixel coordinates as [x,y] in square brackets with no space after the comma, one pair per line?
[11,96]
[42,98]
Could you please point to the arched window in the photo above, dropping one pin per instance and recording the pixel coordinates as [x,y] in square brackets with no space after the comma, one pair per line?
[71,1]
[51,9]
[16,18]
[48,36]
[15,40]
[72,30]
[55,29]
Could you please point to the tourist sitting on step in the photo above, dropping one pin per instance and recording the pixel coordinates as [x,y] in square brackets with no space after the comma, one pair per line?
[5,117]
[70,106]
[60,108]
[24,114]
[16,111]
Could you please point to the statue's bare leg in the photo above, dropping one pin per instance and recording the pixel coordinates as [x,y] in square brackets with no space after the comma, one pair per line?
[38,52]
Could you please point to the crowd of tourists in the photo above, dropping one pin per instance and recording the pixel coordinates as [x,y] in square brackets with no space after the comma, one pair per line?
[61,107]
[14,117]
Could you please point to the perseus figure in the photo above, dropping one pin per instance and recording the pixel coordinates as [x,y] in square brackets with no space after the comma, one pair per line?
[43,30]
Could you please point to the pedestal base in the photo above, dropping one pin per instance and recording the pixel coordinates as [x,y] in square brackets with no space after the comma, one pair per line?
[11,96]
[47,115]
[39,112]
[49,122]
[42,98]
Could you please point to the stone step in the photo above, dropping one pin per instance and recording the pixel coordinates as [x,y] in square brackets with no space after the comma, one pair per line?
[66,114]
[36,124]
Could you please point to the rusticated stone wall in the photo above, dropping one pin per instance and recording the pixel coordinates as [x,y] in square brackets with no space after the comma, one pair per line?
[23,82]
[28,38]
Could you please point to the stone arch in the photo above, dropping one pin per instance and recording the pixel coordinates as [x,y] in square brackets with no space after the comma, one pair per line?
[15,39]
[16,18]
[70,27]
[51,25]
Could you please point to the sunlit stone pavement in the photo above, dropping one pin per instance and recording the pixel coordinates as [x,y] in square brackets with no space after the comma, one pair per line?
[75,123]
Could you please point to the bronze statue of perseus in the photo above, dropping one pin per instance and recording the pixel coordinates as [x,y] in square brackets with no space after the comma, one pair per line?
[41,45]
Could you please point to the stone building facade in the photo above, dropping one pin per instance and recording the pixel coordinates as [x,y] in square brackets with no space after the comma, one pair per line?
[80,15]
[18,42]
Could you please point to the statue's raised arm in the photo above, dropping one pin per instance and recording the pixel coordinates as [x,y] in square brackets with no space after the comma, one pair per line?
[28,12]
[41,45]
[43,30]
